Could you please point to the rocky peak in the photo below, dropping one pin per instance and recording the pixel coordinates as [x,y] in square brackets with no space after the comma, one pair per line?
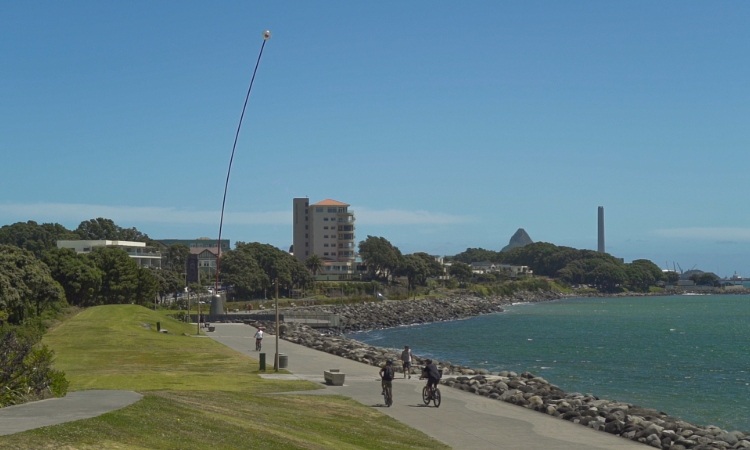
[519,239]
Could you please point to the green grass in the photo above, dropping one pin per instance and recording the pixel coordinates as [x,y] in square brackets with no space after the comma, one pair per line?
[197,394]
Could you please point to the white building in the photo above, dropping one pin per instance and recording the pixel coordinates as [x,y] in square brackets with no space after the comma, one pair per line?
[144,256]
[511,270]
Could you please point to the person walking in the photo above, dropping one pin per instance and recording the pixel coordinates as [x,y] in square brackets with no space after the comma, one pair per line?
[406,359]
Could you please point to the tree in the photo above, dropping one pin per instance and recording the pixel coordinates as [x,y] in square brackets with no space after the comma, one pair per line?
[434,267]
[34,237]
[314,264]
[240,270]
[168,282]
[471,255]
[641,274]
[26,372]
[461,271]
[175,258]
[414,269]
[77,274]
[381,258]
[574,272]
[26,286]
[671,277]
[705,279]
[147,287]
[605,275]
[100,229]
[276,267]
[543,258]
[120,276]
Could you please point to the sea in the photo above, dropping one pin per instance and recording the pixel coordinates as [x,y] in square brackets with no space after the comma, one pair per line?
[685,355]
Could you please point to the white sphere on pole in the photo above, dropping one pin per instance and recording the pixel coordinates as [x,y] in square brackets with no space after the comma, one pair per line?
[267,35]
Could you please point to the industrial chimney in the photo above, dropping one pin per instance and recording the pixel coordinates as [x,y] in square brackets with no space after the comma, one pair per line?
[600,247]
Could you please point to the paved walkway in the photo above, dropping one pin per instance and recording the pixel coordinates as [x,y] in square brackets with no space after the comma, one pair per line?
[463,420]
[74,406]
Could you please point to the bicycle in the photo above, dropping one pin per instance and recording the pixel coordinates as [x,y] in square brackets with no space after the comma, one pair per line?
[258,344]
[431,394]
[387,393]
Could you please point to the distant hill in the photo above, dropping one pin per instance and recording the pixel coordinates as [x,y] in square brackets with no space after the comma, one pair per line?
[519,239]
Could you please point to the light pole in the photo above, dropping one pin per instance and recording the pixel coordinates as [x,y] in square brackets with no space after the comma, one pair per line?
[276,358]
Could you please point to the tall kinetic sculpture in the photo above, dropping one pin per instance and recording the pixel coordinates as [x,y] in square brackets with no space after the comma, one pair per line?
[266,37]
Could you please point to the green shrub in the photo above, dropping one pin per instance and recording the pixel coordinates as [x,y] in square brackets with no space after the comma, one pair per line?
[26,372]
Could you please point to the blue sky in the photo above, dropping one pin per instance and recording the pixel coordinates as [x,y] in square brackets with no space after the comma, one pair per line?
[445,125]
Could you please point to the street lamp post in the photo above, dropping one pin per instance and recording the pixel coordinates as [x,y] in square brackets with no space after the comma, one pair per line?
[276,358]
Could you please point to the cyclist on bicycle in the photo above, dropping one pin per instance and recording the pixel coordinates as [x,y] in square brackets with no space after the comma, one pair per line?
[431,372]
[258,338]
[386,375]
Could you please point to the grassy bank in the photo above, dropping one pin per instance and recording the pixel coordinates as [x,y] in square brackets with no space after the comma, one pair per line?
[197,394]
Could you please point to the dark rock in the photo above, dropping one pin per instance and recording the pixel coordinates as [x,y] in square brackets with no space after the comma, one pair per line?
[519,239]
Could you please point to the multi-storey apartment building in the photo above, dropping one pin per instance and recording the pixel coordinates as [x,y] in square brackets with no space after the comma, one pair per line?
[325,229]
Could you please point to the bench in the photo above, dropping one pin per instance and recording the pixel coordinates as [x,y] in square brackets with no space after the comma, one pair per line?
[334,377]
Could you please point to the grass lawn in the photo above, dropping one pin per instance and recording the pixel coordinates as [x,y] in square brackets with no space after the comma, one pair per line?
[198,394]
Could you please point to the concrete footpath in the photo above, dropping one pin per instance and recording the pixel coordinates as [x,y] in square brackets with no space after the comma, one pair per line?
[74,406]
[463,420]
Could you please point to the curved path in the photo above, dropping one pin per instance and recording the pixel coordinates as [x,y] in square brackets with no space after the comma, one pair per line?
[464,420]
[74,406]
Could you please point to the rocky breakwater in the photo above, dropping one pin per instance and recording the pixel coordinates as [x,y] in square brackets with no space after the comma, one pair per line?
[393,313]
[644,425]
[648,426]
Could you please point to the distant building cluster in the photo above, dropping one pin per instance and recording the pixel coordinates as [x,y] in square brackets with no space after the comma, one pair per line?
[483,267]
[324,229]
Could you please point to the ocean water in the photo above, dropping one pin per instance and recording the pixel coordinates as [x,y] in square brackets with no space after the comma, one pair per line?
[688,356]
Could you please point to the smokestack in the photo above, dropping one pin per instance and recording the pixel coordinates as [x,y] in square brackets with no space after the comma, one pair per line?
[600,247]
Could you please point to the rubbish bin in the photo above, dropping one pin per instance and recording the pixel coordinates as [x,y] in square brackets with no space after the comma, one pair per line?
[283,361]
[263,362]
[158,326]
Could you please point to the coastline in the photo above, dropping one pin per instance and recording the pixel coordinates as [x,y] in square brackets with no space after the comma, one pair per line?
[649,426]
